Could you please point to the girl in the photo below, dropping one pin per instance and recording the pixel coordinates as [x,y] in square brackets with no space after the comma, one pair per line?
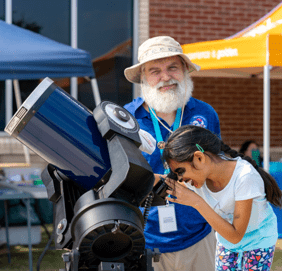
[232,193]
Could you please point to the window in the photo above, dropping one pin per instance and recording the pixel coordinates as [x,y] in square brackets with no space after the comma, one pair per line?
[105,30]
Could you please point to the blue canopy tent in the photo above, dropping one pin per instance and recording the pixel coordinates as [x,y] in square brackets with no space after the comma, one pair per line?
[28,55]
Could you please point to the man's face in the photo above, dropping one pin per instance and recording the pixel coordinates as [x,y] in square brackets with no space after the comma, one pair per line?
[166,84]
[163,70]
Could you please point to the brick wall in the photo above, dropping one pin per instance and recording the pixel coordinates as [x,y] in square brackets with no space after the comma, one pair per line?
[191,21]
[239,102]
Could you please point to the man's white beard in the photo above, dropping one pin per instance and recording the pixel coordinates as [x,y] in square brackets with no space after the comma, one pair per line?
[170,100]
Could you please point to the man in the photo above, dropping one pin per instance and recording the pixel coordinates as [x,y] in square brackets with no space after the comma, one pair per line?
[163,72]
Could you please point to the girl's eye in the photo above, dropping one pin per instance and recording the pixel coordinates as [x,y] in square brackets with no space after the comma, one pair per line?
[180,173]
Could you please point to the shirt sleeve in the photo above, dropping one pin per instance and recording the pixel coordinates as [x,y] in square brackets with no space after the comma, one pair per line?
[249,186]
[129,107]
[214,125]
[217,126]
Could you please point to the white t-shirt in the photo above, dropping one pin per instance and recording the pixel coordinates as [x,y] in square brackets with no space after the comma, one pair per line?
[245,183]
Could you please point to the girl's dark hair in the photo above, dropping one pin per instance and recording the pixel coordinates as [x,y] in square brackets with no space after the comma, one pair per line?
[181,146]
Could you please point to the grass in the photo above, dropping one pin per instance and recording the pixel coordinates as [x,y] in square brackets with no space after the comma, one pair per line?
[19,256]
[52,261]
[277,261]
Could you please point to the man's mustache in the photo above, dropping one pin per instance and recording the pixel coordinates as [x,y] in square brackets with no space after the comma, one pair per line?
[164,84]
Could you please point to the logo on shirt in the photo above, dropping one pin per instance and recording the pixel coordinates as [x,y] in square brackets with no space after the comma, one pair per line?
[199,121]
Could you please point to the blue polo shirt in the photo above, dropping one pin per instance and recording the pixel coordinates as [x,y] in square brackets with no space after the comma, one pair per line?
[192,227]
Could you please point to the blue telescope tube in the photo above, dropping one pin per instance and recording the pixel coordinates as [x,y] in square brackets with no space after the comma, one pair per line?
[63,132]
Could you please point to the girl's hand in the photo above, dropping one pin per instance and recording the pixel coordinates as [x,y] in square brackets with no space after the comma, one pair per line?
[183,195]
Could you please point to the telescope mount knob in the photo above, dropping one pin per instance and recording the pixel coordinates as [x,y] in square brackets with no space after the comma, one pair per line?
[121,114]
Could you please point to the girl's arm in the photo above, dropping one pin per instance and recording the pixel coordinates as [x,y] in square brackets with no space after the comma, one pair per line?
[231,232]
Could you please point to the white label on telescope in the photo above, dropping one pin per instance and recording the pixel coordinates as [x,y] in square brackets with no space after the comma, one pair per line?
[13,123]
[148,142]
[167,218]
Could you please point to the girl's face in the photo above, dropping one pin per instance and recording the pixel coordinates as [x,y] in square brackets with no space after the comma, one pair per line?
[189,172]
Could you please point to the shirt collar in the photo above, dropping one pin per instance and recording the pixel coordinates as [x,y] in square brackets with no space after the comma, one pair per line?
[140,112]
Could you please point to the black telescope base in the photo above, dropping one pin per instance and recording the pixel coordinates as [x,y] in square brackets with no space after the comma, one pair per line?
[71,260]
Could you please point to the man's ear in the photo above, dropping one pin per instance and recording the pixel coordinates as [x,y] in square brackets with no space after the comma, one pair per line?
[199,159]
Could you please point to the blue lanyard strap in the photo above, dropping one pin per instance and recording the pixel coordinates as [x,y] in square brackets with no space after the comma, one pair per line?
[158,129]
[177,123]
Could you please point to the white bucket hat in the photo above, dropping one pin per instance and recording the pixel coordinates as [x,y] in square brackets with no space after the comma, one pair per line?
[156,48]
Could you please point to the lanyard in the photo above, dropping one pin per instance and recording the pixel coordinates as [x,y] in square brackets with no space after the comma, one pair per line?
[158,129]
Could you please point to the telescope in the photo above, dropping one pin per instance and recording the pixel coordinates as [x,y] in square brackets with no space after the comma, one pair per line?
[96,177]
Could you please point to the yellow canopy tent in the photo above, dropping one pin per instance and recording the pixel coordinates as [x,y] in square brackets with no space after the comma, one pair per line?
[254,52]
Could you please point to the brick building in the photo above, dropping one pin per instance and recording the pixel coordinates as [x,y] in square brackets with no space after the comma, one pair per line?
[238,101]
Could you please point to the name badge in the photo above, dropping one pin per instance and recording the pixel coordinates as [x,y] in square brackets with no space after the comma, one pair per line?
[167,218]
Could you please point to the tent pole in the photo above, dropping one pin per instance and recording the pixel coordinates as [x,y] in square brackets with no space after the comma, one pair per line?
[266,117]
[17,93]
[135,43]
[8,83]
[8,100]
[73,87]
[95,90]
[19,103]
[73,26]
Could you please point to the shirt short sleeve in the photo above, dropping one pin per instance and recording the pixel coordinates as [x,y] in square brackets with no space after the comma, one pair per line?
[217,126]
[249,186]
